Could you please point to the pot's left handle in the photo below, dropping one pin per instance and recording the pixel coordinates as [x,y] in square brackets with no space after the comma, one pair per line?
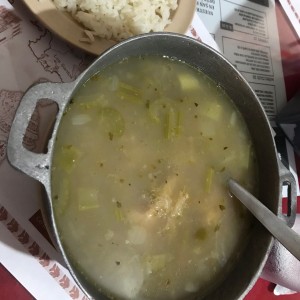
[35,165]
[287,179]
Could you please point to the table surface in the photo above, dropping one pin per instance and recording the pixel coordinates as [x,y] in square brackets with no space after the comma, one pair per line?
[11,289]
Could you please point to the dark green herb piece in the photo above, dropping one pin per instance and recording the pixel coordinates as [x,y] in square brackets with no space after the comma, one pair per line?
[222,207]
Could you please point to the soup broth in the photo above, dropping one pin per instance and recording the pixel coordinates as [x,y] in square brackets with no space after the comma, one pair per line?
[139,180]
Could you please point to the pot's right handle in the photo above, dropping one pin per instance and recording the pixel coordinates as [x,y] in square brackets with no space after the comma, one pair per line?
[287,178]
[35,165]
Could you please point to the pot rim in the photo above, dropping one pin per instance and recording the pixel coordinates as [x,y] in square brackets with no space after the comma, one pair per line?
[39,166]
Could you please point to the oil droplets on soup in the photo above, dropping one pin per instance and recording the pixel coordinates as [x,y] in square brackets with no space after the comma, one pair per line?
[139,180]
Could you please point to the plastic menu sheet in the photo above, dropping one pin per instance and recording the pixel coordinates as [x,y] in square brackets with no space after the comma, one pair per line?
[29,53]
[246,32]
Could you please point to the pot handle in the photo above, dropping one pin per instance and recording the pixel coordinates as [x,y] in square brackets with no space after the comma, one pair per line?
[35,165]
[287,178]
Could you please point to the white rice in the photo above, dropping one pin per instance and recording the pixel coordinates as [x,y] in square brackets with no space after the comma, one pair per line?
[120,19]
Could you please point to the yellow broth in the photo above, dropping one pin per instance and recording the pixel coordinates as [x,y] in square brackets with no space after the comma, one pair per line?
[139,180]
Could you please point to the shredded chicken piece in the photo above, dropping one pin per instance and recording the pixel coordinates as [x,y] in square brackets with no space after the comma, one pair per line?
[164,204]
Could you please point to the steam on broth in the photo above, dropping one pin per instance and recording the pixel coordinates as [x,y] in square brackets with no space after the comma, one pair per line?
[139,179]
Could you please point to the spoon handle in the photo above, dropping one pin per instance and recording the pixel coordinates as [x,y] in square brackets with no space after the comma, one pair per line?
[285,235]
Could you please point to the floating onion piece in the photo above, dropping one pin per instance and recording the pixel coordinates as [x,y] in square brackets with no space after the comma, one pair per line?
[81,119]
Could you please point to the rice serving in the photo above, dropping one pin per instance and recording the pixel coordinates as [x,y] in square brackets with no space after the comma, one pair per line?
[120,19]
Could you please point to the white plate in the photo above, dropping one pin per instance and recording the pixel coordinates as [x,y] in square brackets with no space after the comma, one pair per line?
[63,25]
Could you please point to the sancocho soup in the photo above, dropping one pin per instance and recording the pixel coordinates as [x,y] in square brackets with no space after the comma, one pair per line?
[139,180]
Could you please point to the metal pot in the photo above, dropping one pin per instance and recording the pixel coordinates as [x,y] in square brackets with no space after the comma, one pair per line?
[272,174]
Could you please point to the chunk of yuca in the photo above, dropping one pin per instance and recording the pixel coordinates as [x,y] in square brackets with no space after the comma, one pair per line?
[214,111]
[188,82]
[213,217]
[156,263]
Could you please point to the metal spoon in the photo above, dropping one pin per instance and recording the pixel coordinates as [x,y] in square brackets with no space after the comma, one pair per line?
[284,234]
